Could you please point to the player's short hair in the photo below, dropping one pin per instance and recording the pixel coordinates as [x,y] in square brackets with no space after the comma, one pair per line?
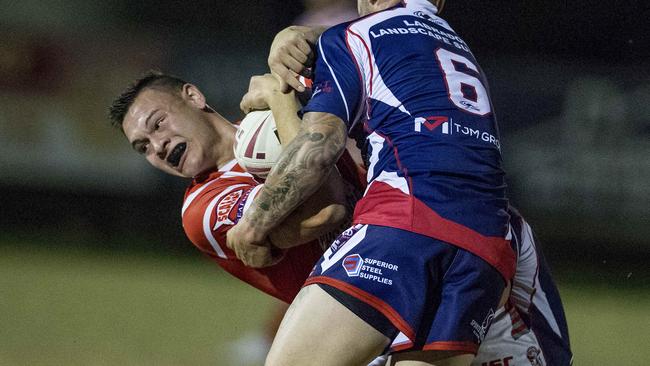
[152,79]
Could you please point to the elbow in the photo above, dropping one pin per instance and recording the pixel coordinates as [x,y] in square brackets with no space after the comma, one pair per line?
[327,219]
[336,214]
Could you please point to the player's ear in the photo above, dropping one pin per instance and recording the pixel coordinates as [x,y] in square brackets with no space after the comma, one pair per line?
[374,3]
[193,95]
[379,5]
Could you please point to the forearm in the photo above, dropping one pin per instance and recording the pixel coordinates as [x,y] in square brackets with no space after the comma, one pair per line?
[303,167]
[285,109]
[322,213]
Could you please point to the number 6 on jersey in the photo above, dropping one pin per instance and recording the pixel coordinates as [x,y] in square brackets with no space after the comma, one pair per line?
[465,90]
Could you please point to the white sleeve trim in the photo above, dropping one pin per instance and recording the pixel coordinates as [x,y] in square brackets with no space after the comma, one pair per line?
[251,197]
[207,229]
[191,197]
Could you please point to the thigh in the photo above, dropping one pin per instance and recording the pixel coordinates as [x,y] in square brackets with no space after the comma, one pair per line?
[318,330]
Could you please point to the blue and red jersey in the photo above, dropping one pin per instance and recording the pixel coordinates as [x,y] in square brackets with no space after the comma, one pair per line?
[411,84]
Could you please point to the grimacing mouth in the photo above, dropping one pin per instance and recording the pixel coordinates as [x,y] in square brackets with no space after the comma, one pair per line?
[174,157]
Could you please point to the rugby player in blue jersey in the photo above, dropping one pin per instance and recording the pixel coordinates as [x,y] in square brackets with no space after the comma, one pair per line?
[429,257]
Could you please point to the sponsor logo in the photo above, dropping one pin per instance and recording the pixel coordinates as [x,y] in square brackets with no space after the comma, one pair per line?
[534,356]
[240,207]
[224,208]
[481,329]
[369,269]
[499,362]
[469,106]
[449,127]
[352,264]
[431,123]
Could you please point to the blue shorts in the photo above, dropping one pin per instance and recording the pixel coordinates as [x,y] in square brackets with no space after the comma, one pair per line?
[422,292]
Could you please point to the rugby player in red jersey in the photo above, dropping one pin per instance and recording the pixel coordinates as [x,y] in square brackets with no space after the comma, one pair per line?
[169,122]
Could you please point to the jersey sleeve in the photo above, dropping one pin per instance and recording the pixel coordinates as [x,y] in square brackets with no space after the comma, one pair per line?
[211,209]
[337,87]
[216,207]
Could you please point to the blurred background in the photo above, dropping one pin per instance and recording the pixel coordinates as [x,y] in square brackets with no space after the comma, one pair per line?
[95,268]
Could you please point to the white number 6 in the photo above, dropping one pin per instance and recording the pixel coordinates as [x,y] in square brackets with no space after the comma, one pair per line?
[465,90]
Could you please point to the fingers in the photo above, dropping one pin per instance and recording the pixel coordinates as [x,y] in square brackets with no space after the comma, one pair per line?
[293,63]
[256,256]
[287,77]
[304,48]
[246,104]
[297,52]
[288,64]
[259,89]
[290,79]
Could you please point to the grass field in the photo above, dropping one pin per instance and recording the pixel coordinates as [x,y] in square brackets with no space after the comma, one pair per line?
[61,307]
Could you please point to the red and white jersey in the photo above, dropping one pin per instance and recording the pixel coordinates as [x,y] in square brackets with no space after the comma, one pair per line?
[215,201]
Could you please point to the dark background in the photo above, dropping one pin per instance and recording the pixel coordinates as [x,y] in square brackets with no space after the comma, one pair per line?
[94,265]
[569,80]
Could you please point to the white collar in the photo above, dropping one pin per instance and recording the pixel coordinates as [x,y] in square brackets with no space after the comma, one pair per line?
[421,4]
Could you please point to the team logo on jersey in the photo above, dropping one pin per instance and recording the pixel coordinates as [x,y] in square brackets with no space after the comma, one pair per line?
[431,123]
[534,356]
[224,211]
[352,265]
[322,87]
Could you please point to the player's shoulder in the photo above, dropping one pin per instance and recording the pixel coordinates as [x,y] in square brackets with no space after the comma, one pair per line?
[336,32]
[213,203]
[215,184]
[229,174]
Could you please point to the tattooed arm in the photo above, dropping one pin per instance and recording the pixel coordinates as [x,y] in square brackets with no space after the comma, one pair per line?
[303,167]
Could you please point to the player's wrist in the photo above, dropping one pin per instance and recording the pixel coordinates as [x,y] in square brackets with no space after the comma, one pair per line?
[252,233]
[276,99]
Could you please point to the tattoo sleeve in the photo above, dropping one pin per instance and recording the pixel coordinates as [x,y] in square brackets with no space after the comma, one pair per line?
[302,168]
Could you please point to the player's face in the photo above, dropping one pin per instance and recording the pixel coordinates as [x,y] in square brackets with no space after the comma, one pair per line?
[173,131]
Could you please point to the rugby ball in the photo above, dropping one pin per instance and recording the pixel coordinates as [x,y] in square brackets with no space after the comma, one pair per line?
[257,145]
